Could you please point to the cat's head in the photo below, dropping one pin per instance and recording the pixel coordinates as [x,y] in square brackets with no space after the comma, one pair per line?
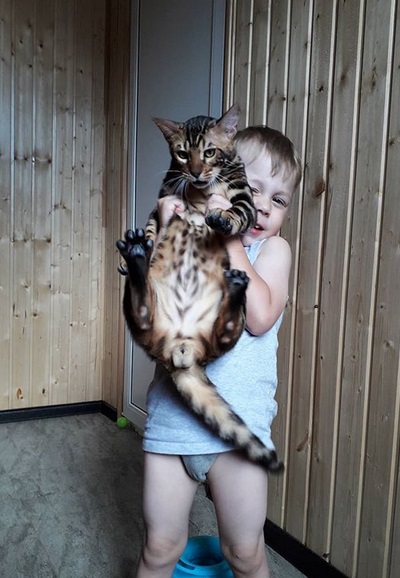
[201,146]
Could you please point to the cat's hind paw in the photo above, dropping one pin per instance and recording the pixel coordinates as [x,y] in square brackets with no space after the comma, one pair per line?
[134,245]
[135,248]
[237,282]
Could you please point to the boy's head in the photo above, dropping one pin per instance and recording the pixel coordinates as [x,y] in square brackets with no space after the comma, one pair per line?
[273,169]
[254,141]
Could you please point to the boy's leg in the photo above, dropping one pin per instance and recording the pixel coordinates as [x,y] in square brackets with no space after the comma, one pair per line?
[239,492]
[168,494]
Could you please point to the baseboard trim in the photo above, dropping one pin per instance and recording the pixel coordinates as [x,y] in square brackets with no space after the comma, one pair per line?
[301,557]
[62,410]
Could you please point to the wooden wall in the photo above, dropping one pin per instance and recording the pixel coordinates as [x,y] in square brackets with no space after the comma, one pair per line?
[328,75]
[64,75]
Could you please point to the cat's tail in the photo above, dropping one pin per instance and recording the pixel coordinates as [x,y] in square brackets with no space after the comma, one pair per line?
[202,397]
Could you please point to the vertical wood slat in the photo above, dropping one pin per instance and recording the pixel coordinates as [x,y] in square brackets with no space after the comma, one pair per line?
[278,65]
[6,197]
[62,199]
[343,145]
[310,264]
[350,242]
[329,366]
[42,161]
[80,200]
[299,43]
[243,36]
[276,101]
[260,58]
[388,294]
[22,222]
[375,99]
[96,203]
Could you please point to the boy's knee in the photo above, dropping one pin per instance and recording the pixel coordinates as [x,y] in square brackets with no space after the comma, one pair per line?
[245,558]
[159,552]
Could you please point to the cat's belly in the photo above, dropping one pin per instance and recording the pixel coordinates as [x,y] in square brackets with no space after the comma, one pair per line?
[186,305]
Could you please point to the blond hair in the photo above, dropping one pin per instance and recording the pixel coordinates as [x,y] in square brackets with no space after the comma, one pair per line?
[285,160]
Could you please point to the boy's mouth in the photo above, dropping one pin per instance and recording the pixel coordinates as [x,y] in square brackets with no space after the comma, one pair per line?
[257,227]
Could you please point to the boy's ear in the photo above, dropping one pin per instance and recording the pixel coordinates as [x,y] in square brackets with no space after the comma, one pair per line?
[226,126]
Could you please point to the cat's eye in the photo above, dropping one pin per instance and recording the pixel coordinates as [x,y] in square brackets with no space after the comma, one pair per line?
[209,153]
[182,155]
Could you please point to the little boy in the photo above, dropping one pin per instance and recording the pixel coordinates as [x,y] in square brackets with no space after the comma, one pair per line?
[180,451]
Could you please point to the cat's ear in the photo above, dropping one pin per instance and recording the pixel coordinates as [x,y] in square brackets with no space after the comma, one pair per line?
[169,128]
[227,124]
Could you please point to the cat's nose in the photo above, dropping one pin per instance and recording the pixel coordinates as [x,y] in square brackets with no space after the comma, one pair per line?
[195,173]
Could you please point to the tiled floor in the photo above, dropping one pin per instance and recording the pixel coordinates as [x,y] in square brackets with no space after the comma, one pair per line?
[70,501]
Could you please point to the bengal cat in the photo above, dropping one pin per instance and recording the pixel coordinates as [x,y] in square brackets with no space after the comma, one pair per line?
[183,304]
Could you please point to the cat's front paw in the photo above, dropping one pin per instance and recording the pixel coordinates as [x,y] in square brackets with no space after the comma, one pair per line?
[218,222]
[134,246]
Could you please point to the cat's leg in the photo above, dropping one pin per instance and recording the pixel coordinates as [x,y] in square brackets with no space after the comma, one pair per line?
[153,226]
[231,318]
[238,218]
[136,251]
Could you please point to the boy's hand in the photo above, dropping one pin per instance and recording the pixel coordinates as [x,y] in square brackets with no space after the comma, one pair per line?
[167,207]
[216,201]
[217,215]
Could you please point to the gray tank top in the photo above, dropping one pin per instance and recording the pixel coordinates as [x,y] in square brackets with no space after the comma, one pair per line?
[246,377]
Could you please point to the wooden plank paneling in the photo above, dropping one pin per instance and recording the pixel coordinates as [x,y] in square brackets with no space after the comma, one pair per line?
[332,85]
[52,132]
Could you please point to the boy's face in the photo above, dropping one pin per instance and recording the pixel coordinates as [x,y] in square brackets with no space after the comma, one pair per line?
[272,197]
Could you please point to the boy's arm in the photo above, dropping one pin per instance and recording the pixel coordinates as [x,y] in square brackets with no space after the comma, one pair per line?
[167,207]
[268,288]
[267,291]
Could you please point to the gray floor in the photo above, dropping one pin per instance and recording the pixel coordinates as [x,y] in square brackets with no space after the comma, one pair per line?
[70,501]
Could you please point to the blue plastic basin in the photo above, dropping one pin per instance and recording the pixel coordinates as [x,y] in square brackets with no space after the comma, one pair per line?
[202,557]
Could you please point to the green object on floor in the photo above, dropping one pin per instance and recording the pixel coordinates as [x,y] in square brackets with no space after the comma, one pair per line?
[122,422]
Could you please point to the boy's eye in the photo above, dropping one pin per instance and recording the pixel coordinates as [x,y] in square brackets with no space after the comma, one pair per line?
[209,153]
[255,191]
[182,155]
[280,201]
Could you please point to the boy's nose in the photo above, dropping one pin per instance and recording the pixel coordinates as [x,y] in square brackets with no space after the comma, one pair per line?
[264,206]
